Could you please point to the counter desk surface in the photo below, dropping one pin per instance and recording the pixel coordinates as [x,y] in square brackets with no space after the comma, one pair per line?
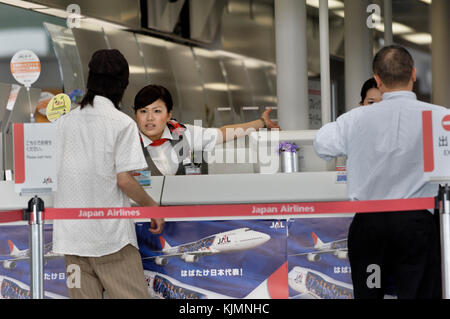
[221,189]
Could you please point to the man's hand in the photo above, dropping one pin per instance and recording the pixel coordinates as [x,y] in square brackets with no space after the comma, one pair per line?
[269,123]
[157,225]
[134,190]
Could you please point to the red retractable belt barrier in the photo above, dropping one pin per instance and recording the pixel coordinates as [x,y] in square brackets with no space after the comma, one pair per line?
[242,210]
[11,216]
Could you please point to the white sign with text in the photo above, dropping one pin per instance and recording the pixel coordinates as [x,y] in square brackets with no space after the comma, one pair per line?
[436,145]
[34,158]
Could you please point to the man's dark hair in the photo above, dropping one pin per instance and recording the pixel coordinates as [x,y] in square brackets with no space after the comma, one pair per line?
[150,94]
[108,77]
[394,65]
[369,84]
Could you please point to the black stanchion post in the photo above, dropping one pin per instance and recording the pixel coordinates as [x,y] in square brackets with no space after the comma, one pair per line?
[36,222]
[444,195]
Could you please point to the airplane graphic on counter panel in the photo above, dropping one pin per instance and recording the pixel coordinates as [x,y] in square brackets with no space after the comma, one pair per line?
[15,255]
[337,248]
[226,242]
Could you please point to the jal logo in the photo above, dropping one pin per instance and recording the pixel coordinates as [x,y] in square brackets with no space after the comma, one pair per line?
[224,240]
[47,181]
[277,225]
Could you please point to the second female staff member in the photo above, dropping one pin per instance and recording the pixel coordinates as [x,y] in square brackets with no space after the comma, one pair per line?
[370,93]
[162,136]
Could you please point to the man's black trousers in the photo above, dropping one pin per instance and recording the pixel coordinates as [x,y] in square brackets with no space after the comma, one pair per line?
[405,246]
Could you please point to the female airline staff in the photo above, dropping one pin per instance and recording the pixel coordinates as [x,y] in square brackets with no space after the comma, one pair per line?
[370,93]
[167,143]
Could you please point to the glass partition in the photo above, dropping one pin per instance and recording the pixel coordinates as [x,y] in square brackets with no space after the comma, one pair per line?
[127,44]
[189,84]
[240,88]
[218,99]
[159,69]
[88,40]
[66,51]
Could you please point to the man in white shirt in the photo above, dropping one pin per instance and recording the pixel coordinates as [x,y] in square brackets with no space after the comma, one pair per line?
[98,148]
[383,144]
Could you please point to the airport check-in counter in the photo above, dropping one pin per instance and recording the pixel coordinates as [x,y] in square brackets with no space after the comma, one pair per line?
[252,189]
[318,182]
[260,182]
[224,189]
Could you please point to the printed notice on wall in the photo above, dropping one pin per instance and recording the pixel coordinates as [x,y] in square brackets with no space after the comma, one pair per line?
[34,158]
[436,145]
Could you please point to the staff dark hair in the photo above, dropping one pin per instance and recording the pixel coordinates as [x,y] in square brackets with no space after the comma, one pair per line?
[369,84]
[150,94]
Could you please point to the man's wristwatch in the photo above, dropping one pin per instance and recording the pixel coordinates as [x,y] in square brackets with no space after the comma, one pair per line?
[264,122]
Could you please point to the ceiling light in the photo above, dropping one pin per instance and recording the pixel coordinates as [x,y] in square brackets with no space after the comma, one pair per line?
[93,22]
[54,12]
[23,4]
[340,13]
[332,4]
[397,28]
[204,53]
[213,86]
[418,38]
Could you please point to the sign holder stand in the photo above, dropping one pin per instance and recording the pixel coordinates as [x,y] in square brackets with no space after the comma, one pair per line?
[32,120]
[35,219]
[26,68]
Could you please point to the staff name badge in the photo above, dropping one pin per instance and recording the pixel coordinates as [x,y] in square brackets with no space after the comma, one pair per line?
[143,177]
[341,175]
[34,158]
[436,145]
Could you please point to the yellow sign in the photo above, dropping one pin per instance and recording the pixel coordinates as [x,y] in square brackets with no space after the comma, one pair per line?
[58,106]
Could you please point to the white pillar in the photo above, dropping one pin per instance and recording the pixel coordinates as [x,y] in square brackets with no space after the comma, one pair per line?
[292,64]
[325,82]
[358,50]
[388,35]
[440,50]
